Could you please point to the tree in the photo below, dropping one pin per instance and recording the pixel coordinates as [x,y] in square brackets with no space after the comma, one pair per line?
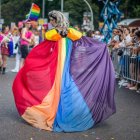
[15,10]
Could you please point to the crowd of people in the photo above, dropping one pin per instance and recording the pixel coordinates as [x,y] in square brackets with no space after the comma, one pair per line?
[125,42]
[125,48]
[17,42]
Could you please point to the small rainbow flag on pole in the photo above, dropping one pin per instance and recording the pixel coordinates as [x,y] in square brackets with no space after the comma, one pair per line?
[34,12]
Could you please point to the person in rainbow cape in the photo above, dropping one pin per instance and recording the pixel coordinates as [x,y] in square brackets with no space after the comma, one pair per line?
[67,82]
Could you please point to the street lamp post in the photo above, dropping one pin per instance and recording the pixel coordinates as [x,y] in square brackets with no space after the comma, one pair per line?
[62,9]
[92,24]
[62,5]
[43,8]
[0,9]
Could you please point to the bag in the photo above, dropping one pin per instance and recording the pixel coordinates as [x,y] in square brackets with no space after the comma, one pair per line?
[16,45]
[120,52]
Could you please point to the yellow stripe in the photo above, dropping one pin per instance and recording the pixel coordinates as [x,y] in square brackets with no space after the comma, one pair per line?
[63,54]
[42,116]
[35,11]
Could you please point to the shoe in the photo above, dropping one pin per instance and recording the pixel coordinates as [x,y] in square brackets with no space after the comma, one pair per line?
[129,85]
[133,88]
[0,69]
[3,70]
[138,91]
[14,70]
[122,81]
[124,84]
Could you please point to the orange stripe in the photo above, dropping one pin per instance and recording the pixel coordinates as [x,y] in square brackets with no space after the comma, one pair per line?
[35,11]
[42,116]
[36,8]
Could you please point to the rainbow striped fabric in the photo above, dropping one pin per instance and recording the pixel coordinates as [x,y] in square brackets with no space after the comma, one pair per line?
[67,84]
[34,12]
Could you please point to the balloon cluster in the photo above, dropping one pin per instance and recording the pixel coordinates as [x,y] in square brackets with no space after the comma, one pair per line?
[111,15]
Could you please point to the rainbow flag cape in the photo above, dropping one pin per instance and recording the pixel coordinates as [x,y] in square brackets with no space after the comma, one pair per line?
[34,12]
[66,84]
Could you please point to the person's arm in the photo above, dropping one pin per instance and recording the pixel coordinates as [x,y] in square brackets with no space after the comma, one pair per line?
[32,43]
[138,48]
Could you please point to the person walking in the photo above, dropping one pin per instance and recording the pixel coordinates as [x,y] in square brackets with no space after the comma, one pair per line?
[67,81]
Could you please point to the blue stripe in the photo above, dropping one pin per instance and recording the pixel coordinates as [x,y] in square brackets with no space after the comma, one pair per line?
[73,113]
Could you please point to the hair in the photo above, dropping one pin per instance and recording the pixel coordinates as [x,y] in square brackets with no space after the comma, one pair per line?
[3,28]
[126,27]
[61,20]
[120,30]
[89,33]
[133,31]
[137,33]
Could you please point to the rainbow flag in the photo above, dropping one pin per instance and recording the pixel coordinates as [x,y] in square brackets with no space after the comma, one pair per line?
[34,12]
[66,84]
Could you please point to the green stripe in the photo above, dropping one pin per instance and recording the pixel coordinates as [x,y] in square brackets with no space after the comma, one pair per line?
[37,14]
[67,46]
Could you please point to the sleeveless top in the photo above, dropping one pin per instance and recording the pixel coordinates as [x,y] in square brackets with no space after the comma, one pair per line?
[28,35]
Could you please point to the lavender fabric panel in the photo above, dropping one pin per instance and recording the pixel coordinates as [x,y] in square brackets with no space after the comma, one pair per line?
[93,73]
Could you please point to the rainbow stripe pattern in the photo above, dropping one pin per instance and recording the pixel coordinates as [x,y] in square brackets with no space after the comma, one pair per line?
[66,84]
[34,12]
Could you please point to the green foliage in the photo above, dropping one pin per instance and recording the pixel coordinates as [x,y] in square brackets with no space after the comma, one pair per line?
[15,10]
[130,8]
[136,11]
[77,8]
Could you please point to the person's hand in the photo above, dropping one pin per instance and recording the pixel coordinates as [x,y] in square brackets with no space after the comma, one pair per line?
[116,45]
[29,40]
[135,49]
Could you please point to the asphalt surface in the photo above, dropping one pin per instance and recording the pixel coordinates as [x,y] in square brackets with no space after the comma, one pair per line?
[124,125]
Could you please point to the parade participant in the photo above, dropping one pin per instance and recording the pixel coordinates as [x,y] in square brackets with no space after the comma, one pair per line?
[1,38]
[17,47]
[67,82]
[25,41]
[4,48]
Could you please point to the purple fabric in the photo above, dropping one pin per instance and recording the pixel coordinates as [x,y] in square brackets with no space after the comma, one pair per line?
[93,73]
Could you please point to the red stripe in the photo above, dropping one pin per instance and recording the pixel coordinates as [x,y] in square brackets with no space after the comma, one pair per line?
[36,78]
[36,7]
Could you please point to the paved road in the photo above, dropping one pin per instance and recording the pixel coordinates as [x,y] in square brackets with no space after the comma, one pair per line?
[124,125]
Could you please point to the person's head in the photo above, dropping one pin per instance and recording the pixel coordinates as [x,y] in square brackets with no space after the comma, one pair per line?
[126,30]
[35,31]
[52,21]
[97,33]
[45,27]
[132,32]
[120,33]
[137,33]
[27,24]
[115,31]
[20,24]
[5,29]
[57,19]
[90,33]
[15,31]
